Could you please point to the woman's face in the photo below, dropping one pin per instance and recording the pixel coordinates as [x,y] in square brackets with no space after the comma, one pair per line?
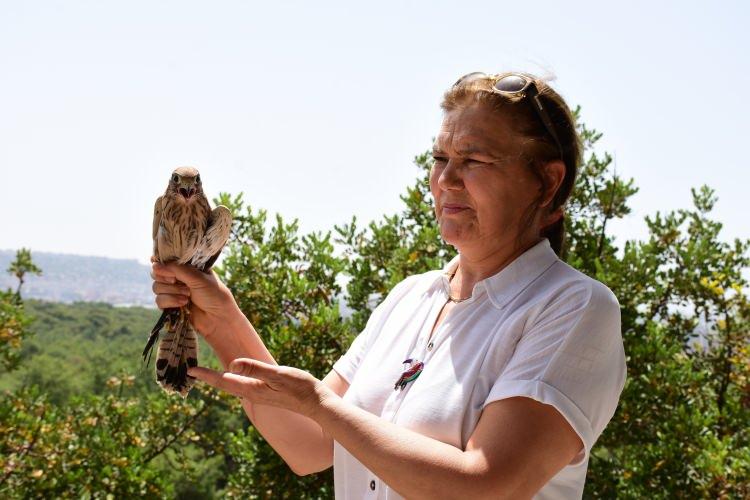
[481,186]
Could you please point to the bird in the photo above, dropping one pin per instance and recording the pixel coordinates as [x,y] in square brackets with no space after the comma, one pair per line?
[410,374]
[186,231]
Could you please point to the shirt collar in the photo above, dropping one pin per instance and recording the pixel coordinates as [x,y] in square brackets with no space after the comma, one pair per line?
[506,284]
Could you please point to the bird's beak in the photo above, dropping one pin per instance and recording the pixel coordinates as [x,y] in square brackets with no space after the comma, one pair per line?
[187,189]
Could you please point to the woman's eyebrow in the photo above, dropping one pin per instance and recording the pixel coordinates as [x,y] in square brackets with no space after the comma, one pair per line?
[468,150]
[463,151]
[475,150]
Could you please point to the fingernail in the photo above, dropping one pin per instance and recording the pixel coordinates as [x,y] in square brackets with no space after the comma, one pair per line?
[234,367]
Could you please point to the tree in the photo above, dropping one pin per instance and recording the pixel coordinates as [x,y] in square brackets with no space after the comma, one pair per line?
[14,322]
[681,428]
[121,441]
[14,325]
[21,266]
[286,284]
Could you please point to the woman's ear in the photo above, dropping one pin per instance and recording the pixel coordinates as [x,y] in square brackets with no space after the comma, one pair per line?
[552,217]
[554,173]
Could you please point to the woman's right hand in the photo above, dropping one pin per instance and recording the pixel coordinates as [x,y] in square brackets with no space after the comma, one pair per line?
[211,302]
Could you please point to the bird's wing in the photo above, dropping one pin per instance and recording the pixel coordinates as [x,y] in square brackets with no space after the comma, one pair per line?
[214,239]
[155,225]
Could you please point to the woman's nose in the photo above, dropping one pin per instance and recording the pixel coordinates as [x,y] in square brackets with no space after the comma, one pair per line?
[450,177]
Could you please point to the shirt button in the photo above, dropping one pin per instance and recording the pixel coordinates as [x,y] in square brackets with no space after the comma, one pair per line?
[429,346]
[372,485]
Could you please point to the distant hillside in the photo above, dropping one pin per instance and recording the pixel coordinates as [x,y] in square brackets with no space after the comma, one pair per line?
[75,348]
[73,278]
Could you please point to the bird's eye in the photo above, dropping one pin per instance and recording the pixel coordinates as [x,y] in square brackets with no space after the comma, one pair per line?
[175,178]
[198,178]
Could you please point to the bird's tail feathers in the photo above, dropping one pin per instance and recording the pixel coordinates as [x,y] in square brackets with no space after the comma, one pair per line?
[178,351]
[167,316]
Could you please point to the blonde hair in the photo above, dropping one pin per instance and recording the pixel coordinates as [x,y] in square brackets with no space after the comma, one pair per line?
[536,144]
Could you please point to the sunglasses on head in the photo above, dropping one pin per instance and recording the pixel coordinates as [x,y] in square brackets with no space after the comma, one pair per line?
[512,84]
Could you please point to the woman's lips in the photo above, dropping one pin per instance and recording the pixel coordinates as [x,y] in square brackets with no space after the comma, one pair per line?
[454,209]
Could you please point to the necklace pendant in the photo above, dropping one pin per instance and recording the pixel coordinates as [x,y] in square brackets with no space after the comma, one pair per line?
[410,374]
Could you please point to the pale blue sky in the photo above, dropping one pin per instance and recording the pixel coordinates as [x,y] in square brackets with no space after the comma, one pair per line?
[315,109]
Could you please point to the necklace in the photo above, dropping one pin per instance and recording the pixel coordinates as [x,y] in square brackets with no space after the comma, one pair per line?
[454,300]
[414,366]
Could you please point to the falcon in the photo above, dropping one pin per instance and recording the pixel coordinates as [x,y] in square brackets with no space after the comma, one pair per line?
[186,231]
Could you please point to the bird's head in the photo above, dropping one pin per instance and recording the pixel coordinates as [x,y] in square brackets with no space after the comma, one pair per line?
[186,183]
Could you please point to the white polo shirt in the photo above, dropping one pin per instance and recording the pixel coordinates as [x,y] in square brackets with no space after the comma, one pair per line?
[538,328]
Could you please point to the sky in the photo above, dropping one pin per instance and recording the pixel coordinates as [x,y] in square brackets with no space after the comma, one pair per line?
[315,110]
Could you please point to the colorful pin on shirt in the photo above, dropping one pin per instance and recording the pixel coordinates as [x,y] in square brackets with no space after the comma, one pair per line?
[411,373]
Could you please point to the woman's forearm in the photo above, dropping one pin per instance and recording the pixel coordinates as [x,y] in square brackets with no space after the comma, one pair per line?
[412,464]
[299,440]
[236,338]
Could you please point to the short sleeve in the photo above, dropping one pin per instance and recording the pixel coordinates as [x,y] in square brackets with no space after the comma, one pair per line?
[572,358]
[347,365]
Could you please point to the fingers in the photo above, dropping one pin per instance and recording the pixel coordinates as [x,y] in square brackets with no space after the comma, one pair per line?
[168,295]
[253,368]
[229,382]
[172,272]
[170,300]
[175,289]
[159,272]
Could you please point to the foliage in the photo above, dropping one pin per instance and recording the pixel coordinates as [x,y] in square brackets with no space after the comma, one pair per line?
[21,266]
[77,347]
[680,430]
[681,426]
[100,445]
[14,325]
[75,405]
[286,285]
[680,286]
[389,250]
[13,322]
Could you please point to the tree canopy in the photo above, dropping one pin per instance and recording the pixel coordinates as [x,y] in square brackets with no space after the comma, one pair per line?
[680,429]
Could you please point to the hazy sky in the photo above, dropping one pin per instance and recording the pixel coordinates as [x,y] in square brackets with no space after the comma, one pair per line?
[316,109]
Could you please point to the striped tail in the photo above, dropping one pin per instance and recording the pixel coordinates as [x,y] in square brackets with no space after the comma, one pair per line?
[178,351]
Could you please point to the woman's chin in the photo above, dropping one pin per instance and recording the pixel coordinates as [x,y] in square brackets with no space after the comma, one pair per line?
[452,235]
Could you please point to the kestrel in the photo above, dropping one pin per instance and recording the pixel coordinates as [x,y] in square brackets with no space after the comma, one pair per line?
[185,231]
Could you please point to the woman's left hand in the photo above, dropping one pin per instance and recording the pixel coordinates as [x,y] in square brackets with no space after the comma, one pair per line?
[262,383]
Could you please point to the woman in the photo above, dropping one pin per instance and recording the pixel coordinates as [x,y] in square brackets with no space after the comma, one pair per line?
[491,378]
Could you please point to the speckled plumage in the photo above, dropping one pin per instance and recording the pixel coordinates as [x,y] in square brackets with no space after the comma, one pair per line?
[185,230]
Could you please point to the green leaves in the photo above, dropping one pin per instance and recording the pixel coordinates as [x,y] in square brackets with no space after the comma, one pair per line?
[22,266]
[681,429]
[92,446]
[381,255]
[13,321]
[13,329]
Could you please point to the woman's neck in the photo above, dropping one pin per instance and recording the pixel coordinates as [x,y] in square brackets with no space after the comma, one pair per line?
[474,266]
